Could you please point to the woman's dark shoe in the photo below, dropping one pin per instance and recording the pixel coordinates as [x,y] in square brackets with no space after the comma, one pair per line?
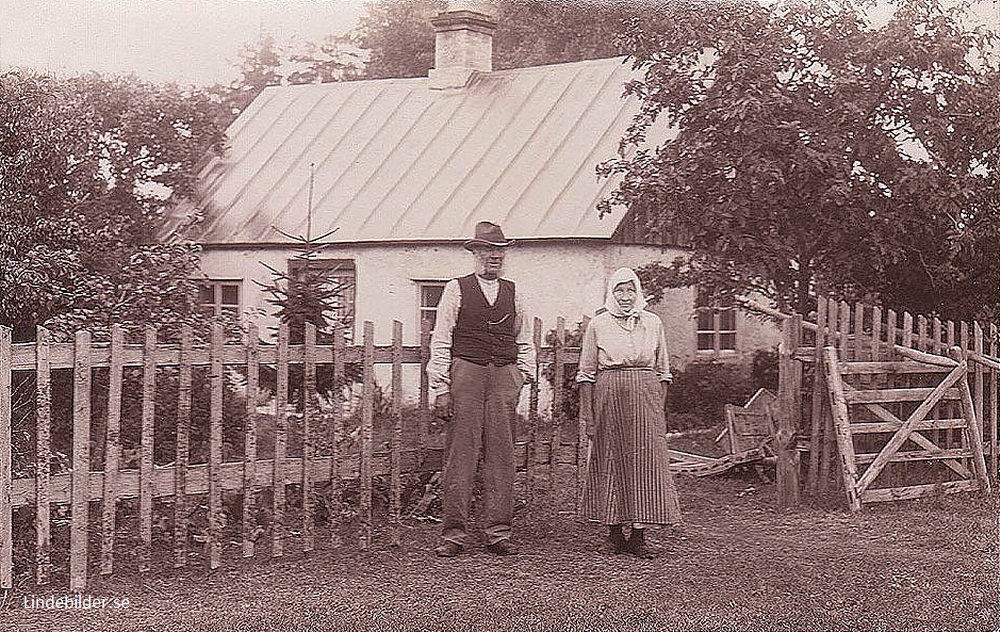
[503,547]
[637,545]
[616,539]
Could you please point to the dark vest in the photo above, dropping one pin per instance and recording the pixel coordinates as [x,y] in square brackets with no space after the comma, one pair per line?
[484,333]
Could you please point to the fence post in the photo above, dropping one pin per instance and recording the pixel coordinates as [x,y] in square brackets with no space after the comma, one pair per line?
[367,420]
[79,477]
[558,373]
[787,472]
[183,447]
[146,448]
[308,405]
[994,388]
[396,432]
[250,442]
[280,445]
[6,504]
[816,417]
[43,453]
[215,451]
[112,448]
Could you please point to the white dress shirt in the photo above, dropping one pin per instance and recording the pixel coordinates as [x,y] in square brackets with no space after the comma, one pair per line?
[439,365]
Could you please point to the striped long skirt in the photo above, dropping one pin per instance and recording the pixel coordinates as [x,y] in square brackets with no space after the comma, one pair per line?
[628,473]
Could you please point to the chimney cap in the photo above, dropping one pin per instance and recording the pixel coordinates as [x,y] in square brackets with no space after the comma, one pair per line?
[464,19]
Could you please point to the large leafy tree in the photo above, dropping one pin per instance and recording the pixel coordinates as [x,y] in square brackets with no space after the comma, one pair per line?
[817,151]
[87,166]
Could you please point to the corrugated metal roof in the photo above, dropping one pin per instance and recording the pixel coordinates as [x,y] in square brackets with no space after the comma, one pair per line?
[395,160]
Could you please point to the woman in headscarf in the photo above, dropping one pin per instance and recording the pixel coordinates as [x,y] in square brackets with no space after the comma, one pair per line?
[623,376]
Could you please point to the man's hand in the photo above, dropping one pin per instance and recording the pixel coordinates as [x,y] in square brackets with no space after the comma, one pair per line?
[442,406]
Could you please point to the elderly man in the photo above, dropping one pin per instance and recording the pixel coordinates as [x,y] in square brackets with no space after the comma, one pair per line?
[481,356]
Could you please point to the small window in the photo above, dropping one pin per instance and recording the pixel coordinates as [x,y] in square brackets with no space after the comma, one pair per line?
[430,296]
[217,297]
[716,329]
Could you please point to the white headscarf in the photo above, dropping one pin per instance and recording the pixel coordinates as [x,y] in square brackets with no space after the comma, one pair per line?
[624,275]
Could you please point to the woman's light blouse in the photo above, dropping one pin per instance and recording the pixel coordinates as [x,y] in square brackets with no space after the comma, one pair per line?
[608,345]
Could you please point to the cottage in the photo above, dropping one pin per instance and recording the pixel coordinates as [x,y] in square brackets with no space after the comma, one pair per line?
[394,174]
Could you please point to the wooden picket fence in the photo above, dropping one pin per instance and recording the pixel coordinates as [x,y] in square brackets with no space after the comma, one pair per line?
[860,333]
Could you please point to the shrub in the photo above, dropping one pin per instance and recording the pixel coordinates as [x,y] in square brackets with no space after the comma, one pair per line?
[703,388]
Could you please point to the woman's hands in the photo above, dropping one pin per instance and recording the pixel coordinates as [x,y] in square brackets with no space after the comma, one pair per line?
[587,407]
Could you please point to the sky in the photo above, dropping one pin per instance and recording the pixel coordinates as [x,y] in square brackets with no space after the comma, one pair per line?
[184,41]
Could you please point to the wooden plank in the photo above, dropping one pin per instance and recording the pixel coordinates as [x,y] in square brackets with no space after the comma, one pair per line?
[250,441]
[43,456]
[917,491]
[897,440]
[425,354]
[923,342]
[965,344]
[916,455]
[231,476]
[6,472]
[214,543]
[183,447]
[816,412]
[112,452]
[558,375]
[169,354]
[876,339]
[81,464]
[992,421]
[146,450]
[844,328]
[896,395]
[337,427]
[829,432]
[937,346]
[786,471]
[978,382]
[907,339]
[879,368]
[950,410]
[308,441]
[396,436]
[367,420]
[861,345]
[927,358]
[280,445]
[871,427]
[582,440]
[975,432]
[845,443]
[531,457]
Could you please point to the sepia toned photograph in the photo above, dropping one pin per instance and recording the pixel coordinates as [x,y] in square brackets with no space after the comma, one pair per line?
[489,315]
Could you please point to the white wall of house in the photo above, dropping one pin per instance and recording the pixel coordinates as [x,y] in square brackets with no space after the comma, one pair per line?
[565,277]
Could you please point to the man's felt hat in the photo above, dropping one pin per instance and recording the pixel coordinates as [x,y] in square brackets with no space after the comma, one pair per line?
[488,234]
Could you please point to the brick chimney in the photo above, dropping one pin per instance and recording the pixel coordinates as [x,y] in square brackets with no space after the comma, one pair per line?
[463,43]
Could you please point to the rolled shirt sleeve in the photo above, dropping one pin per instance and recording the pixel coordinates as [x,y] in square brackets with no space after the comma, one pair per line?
[587,369]
[439,364]
[526,360]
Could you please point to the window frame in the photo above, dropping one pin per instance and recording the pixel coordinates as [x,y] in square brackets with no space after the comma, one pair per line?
[716,331]
[421,284]
[218,307]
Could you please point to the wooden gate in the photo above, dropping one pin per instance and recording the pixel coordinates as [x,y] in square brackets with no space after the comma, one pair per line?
[905,411]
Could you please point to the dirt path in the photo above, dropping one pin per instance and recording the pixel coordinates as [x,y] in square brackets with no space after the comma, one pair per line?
[737,565]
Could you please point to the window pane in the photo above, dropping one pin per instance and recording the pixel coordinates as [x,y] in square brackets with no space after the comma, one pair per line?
[727,320]
[706,342]
[206,294]
[430,295]
[230,294]
[706,321]
[727,341]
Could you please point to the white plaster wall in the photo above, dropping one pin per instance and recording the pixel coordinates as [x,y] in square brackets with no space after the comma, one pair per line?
[554,278]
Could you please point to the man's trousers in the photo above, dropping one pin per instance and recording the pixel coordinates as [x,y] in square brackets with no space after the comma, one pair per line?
[485,402]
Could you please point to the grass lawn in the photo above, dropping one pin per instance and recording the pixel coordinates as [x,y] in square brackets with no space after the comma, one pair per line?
[737,564]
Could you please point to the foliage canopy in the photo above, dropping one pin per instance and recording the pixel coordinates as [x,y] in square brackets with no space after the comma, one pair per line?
[87,167]
[813,150]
